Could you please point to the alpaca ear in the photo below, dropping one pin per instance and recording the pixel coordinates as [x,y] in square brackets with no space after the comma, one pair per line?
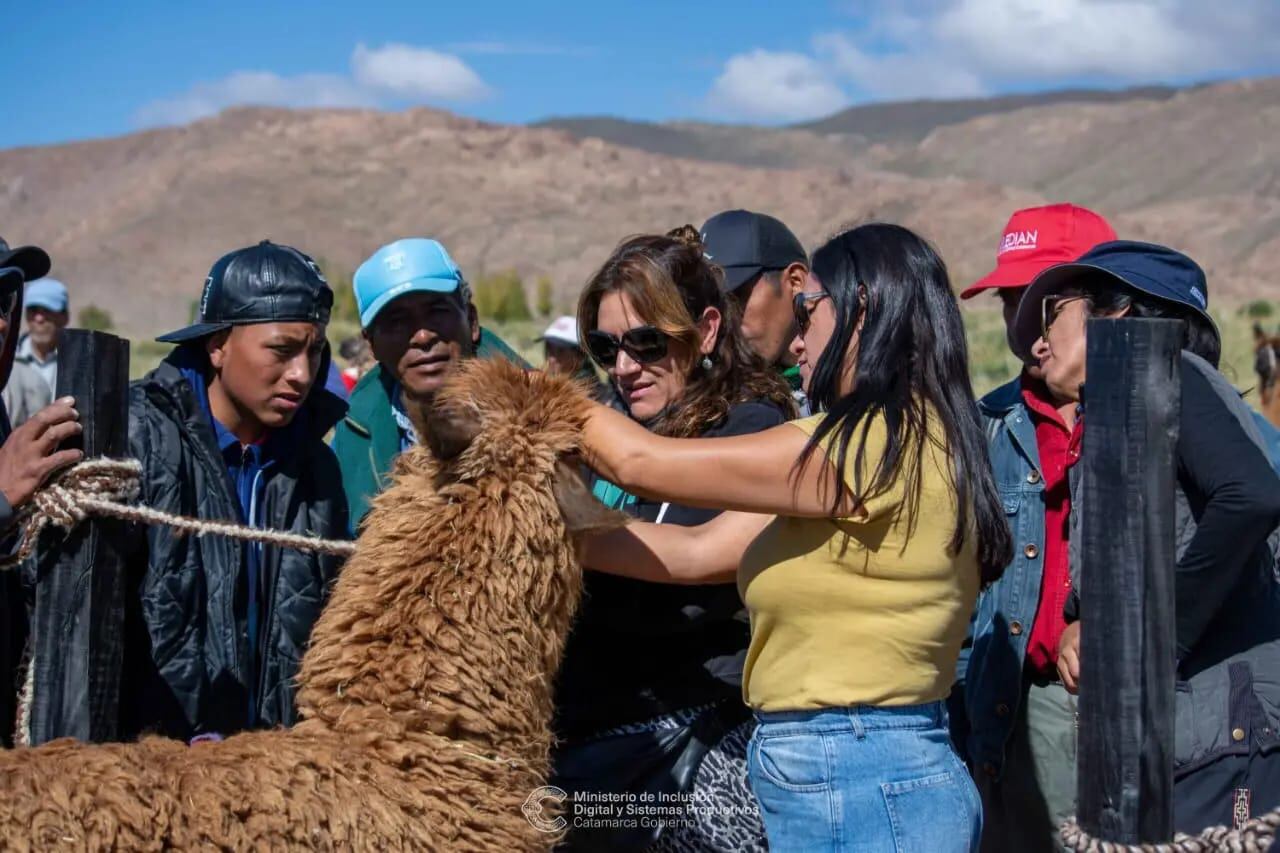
[582,513]
[447,428]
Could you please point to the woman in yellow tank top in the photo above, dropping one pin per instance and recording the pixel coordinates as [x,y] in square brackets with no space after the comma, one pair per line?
[859,538]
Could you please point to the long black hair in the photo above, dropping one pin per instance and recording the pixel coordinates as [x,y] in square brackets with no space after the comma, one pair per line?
[911,362]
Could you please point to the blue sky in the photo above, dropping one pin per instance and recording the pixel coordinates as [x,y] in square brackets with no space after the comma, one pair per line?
[77,70]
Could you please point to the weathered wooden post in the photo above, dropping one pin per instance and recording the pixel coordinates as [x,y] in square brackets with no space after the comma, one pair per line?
[78,629]
[1133,393]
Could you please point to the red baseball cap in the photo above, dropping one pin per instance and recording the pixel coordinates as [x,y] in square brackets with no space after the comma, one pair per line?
[1037,238]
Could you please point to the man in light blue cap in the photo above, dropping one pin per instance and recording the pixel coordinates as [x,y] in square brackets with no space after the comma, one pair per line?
[47,313]
[417,314]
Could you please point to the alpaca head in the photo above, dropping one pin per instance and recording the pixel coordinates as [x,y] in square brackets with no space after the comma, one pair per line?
[466,577]
[499,450]
[496,423]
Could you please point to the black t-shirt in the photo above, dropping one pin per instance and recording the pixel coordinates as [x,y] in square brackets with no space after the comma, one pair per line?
[640,649]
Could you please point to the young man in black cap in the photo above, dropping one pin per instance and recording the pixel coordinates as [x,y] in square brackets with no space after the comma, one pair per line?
[765,266]
[231,427]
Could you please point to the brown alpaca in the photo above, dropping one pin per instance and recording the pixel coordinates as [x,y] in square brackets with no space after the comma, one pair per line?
[1266,362]
[426,695]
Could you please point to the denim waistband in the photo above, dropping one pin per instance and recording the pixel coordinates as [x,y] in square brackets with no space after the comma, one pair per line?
[857,719]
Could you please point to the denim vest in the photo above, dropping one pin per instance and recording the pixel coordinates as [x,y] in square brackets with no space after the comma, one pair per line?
[991,666]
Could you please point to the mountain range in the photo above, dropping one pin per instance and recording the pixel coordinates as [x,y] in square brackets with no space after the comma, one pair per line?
[134,222]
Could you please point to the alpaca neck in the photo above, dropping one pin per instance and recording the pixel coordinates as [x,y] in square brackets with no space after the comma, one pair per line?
[454,653]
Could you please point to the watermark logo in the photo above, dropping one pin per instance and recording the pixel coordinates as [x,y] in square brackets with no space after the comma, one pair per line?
[535,805]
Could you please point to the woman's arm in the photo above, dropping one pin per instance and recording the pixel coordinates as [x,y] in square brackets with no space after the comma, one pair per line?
[1219,463]
[753,473]
[668,553]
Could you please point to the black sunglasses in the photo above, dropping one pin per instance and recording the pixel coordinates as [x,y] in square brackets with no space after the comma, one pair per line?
[1049,308]
[799,304]
[645,344]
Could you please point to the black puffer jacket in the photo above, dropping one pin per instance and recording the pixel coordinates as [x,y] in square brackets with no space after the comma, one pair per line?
[188,661]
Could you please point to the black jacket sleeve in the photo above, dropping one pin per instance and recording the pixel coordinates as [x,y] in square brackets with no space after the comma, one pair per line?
[7,516]
[1234,494]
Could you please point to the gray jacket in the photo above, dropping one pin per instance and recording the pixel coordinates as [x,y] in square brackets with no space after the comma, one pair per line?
[1228,690]
[25,393]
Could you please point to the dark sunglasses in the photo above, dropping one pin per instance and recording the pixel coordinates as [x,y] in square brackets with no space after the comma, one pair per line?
[1049,308]
[645,344]
[800,304]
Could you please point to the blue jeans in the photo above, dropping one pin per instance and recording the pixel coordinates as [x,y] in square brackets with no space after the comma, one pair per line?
[865,779]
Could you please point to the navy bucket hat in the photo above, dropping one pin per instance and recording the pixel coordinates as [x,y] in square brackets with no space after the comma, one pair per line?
[1157,271]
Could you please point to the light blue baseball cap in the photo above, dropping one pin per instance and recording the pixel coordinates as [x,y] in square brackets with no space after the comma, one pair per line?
[405,266]
[47,293]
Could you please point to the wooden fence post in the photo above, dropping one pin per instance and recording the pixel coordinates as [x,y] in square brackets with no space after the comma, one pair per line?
[1125,738]
[78,631]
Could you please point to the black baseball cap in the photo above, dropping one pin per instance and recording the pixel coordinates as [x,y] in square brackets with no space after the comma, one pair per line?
[745,244]
[32,260]
[266,283]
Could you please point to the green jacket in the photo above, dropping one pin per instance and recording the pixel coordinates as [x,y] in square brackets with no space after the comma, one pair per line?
[368,439]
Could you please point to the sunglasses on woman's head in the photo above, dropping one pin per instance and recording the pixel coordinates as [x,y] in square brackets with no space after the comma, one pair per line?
[645,345]
[800,304]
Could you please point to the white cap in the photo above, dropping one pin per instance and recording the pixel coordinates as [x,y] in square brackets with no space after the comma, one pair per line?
[564,330]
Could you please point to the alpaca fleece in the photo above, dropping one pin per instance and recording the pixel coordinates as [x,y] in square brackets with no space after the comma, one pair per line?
[426,694]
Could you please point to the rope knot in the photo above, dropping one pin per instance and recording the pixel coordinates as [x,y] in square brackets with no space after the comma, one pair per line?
[67,500]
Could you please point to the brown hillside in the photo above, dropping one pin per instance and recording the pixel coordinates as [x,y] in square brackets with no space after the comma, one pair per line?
[1204,142]
[134,222]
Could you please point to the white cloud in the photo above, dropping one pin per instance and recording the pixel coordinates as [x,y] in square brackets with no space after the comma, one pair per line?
[958,48]
[259,88]
[394,71]
[897,74]
[1120,39]
[764,85]
[416,72]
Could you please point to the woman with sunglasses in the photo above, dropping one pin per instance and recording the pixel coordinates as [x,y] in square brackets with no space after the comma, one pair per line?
[648,695]
[859,538]
[1227,598]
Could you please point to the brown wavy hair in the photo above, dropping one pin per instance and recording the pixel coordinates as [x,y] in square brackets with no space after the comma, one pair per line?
[670,283]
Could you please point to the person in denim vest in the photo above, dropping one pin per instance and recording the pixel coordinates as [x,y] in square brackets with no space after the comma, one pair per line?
[1226,749]
[1010,714]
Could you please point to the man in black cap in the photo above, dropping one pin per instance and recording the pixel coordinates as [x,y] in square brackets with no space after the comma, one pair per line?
[29,455]
[765,266]
[231,427]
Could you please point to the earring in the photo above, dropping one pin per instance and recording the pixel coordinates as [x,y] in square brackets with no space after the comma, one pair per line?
[706,362]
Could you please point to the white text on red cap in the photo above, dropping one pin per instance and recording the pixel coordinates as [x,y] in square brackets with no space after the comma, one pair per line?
[1015,241]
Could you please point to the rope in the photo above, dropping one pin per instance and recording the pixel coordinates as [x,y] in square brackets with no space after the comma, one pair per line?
[107,487]
[26,699]
[1257,834]
[102,487]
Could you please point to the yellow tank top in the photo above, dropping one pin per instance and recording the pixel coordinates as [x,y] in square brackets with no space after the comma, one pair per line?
[860,611]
